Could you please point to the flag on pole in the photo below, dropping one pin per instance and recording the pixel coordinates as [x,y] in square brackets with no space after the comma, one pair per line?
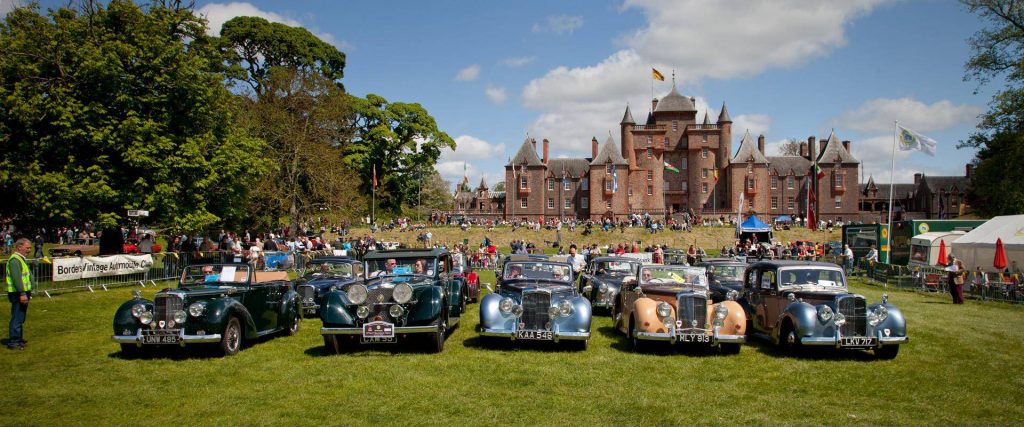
[715,173]
[671,168]
[910,141]
[818,172]
[374,176]
[812,222]
[657,75]
[739,213]
[465,177]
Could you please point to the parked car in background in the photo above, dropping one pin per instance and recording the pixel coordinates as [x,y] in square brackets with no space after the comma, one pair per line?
[671,304]
[725,276]
[219,304]
[323,275]
[407,293]
[536,301]
[462,268]
[806,303]
[602,279]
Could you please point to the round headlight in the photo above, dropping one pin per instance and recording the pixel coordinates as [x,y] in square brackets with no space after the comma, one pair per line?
[882,313]
[196,309]
[553,312]
[363,311]
[517,310]
[402,293]
[146,317]
[565,308]
[179,316]
[721,312]
[138,309]
[603,288]
[506,305]
[840,319]
[732,295]
[357,294]
[669,323]
[825,313]
[664,310]
[396,311]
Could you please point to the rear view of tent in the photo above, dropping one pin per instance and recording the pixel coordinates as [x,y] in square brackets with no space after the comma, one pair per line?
[978,248]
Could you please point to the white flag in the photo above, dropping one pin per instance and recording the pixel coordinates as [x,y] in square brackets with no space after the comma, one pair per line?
[910,141]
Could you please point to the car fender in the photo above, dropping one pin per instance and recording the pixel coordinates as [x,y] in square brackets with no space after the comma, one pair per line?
[645,311]
[427,307]
[801,315]
[894,322]
[491,316]
[334,310]
[219,310]
[290,303]
[123,318]
[735,322]
[579,320]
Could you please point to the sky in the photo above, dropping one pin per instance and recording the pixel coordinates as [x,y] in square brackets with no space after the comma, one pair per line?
[492,73]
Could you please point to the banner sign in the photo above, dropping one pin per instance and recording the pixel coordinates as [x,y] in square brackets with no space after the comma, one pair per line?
[74,268]
[644,257]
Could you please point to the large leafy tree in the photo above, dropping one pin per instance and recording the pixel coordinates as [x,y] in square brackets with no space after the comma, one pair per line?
[110,108]
[998,53]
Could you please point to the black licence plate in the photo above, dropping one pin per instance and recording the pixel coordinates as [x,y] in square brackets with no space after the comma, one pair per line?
[534,335]
[160,339]
[857,341]
[697,338]
[378,340]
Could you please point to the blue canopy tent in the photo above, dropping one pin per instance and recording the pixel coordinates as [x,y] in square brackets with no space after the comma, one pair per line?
[783,218]
[755,230]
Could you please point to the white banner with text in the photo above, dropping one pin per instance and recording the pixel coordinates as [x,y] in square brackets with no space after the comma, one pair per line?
[74,268]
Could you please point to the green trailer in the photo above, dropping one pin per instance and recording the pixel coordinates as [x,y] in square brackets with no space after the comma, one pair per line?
[861,237]
[903,231]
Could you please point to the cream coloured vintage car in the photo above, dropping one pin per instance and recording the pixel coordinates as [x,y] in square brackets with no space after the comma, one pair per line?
[671,303]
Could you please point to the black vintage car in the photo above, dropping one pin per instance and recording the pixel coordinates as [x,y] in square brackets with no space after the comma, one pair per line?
[407,293]
[220,304]
[806,303]
[602,279]
[323,275]
[725,275]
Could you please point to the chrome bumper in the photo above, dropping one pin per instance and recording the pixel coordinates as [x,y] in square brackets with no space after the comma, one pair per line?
[556,335]
[672,337]
[182,339]
[398,330]
[834,341]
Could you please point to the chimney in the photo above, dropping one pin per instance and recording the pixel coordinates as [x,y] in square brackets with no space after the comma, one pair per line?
[917,178]
[846,145]
[760,143]
[654,104]
[810,148]
[546,143]
[821,146]
[803,149]
[970,168]
[593,148]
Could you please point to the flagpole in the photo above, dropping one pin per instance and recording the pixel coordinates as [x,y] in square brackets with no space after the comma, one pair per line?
[892,168]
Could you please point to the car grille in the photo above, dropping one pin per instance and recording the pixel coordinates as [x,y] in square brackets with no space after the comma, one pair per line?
[165,305]
[855,309]
[535,310]
[306,292]
[692,307]
[379,295]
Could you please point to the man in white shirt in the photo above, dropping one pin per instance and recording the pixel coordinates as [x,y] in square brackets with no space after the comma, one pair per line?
[575,259]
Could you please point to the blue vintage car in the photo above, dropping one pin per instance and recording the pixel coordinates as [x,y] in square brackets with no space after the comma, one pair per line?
[407,293]
[536,301]
[805,303]
[602,279]
[323,275]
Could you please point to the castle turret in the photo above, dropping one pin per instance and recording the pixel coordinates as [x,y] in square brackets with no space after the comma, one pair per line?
[626,138]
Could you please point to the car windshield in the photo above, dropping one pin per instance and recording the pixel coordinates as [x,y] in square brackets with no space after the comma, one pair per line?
[727,272]
[811,277]
[673,275]
[339,270]
[215,274]
[400,266]
[617,267]
[537,270]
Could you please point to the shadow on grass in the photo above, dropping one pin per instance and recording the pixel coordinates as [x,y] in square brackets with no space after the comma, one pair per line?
[193,351]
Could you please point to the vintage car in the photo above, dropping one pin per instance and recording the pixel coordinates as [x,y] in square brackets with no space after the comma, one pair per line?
[725,276]
[462,268]
[407,293]
[221,304]
[536,300]
[602,279]
[323,274]
[806,303]
[675,256]
[670,303]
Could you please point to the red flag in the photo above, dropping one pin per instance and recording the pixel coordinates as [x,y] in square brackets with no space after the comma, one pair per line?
[812,222]
[821,173]
[374,176]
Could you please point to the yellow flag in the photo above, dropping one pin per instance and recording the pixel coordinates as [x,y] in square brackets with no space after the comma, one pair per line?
[657,75]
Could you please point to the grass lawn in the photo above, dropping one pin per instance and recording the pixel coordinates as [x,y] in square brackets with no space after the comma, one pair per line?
[963,366]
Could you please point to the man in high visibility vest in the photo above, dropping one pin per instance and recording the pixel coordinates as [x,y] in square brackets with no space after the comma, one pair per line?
[19,291]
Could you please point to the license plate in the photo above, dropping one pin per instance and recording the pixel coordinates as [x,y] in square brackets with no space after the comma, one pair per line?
[160,339]
[698,338]
[534,335]
[379,330]
[857,341]
[310,311]
[378,340]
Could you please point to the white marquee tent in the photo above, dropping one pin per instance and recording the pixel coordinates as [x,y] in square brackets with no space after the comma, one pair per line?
[978,247]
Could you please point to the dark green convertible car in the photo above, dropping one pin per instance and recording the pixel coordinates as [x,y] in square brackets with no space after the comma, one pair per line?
[407,294]
[216,304]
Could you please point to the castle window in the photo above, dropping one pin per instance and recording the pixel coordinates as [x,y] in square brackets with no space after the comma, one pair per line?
[650,153]
[630,192]
[650,140]
[522,202]
[704,187]
[650,190]
[703,153]
[789,182]
[750,183]
[839,180]
[704,173]
[675,126]
[567,184]
[481,205]
[666,143]
[789,203]
[775,183]
[551,185]
[551,202]
[522,182]
[608,204]
[650,175]
[585,184]
[608,185]
[683,166]
[775,203]
[704,138]
[585,201]
[685,186]
[568,203]
[839,202]
[750,203]
[667,186]
[610,167]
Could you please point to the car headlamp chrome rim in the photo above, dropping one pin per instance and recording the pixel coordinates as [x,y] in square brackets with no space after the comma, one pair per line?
[506,305]
[603,288]
[197,309]
[839,319]
[138,309]
[721,312]
[553,312]
[402,293]
[877,315]
[517,310]
[357,294]
[565,308]
[396,311]
[146,317]
[825,313]
[732,295]
[363,311]
[664,310]
[179,316]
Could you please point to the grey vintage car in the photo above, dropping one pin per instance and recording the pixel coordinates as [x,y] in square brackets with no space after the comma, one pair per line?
[805,303]
[602,279]
[536,300]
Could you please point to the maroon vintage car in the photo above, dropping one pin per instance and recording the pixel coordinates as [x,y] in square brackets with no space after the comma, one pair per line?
[464,270]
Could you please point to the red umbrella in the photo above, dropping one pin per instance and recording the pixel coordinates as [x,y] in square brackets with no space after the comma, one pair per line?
[942,253]
[1000,261]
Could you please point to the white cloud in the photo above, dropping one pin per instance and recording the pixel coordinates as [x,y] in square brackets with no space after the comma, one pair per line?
[559,24]
[217,14]
[496,94]
[757,124]
[877,115]
[518,61]
[6,6]
[472,148]
[469,73]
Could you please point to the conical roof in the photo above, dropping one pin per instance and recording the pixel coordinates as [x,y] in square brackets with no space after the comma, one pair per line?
[675,102]
[627,119]
[747,150]
[834,150]
[483,184]
[724,116]
[608,153]
[527,154]
[706,120]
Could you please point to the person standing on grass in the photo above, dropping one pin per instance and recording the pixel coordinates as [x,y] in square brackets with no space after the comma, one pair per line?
[979,283]
[19,291]
[848,259]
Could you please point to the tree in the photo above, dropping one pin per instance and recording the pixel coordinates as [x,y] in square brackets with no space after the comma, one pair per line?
[113,108]
[399,139]
[791,147]
[435,194]
[998,52]
[500,186]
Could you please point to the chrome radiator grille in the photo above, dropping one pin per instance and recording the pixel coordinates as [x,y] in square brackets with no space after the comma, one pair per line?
[164,307]
[855,310]
[535,310]
[379,295]
[307,293]
[690,308]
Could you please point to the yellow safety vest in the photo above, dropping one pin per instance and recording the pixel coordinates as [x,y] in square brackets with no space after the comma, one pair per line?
[25,274]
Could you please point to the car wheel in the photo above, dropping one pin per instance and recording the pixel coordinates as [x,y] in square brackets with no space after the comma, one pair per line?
[294,327]
[130,351]
[788,338]
[582,345]
[231,341]
[888,352]
[730,348]
[332,344]
[637,343]
[436,344]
